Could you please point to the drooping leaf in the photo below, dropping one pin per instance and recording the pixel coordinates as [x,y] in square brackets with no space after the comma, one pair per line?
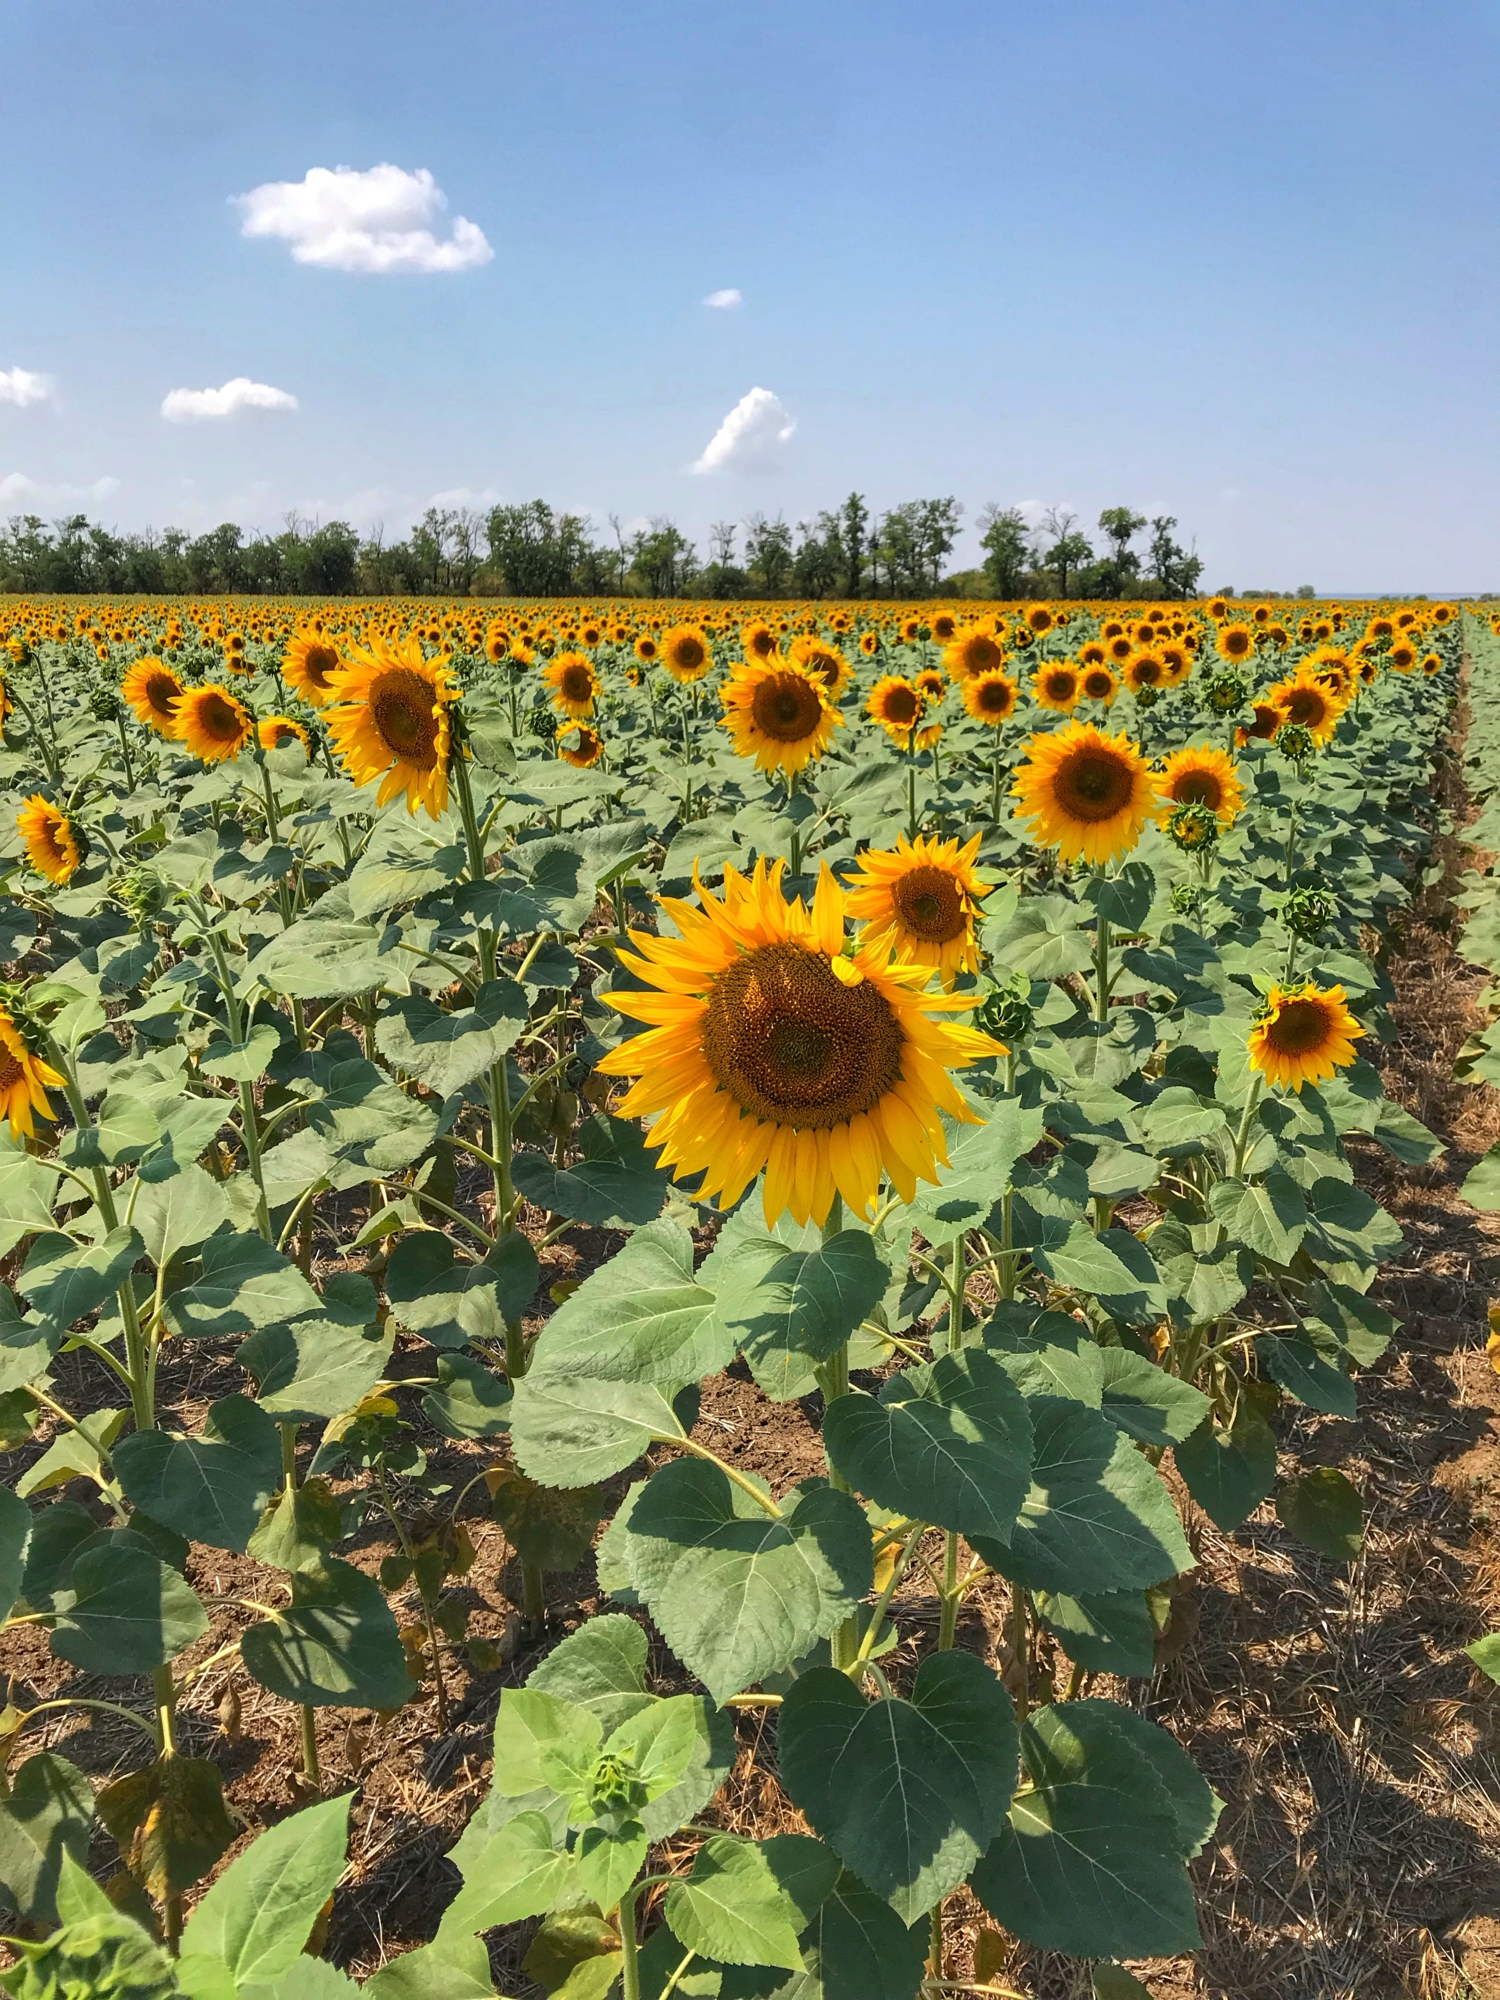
[1322,1507]
[618,1184]
[1229,1472]
[335,1645]
[735,1907]
[1147,1403]
[545,1525]
[242,1283]
[789,1305]
[65,1280]
[469,1401]
[640,1318]
[169,1822]
[15,1541]
[308,1370]
[446,1049]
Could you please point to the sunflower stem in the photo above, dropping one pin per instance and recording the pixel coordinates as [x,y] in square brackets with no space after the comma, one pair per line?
[1242,1137]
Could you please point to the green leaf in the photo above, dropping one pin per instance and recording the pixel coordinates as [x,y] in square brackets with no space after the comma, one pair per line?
[450,1301]
[212,1488]
[335,1646]
[789,1306]
[1268,1217]
[1043,938]
[1296,1361]
[1323,1509]
[1088,1263]
[1097,1516]
[73,1452]
[1351,1320]
[58,1532]
[1348,1227]
[737,1594]
[1091,1862]
[548,1527]
[1123,900]
[300,1528]
[1201,1285]
[243,1283]
[640,1318]
[575,1955]
[256,1917]
[907,1793]
[1481,1188]
[947,1442]
[26,1190]
[65,1280]
[1113,1982]
[733,1906]
[1485,1653]
[855,1948]
[1148,1404]
[452,1967]
[618,1184]
[598,1667]
[1229,1472]
[47,1814]
[319,957]
[567,1430]
[470,1400]
[15,1540]
[446,1050]
[518,1873]
[125,1127]
[607,1859]
[243,1061]
[125,1612]
[314,1368]
[169,1821]
[174,1215]
[982,1160]
[1108,1632]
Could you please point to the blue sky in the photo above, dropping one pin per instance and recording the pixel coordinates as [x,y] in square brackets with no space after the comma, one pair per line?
[1232,262]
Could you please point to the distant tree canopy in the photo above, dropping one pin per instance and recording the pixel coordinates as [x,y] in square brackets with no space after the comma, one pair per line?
[531,550]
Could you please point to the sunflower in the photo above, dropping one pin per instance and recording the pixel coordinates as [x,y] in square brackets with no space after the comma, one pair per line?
[932,686]
[1301,698]
[646,650]
[279,729]
[1302,1035]
[1092,654]
[772,1045]
[312,660]
[496,644]
[390,721]
[758,640]
[919,901]
[1218,608]
[55,846]
[574,684]
[1056,687]
[896,704]
[1145,669]
[1268,719]
[1402,656]
[154,691]
[1177,660]
[869,644]
[777,714]
[686,653]
[973,652]
[1236,641]
[1099,682]
[1432,663]
[24,1080]
[1040,619]
[1118,647]
[213,723]
[944,627]
[634,675]
[580,746]
[991,698]
[1089,794]
[1203,776]
[821,662]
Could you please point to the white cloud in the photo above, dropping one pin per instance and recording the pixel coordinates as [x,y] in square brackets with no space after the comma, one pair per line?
[724,300]
[21,388]
[16,489]
[193,406]
[751,438]
[376,220]
[465,496]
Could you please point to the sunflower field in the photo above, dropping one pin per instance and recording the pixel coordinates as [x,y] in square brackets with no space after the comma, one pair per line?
[723,1196]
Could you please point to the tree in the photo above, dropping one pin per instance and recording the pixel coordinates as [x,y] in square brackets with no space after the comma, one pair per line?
[768,555]
[1068,550]
[854,525]
[536,551]
[1174,569]
[663,561]
[1006,541]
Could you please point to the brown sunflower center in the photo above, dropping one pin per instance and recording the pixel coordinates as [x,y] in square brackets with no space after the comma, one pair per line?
[786,707]
[995,697]
[902,706]
[688,654]
[1147,670]
[823,667]
[795,1046]
[1267,721]
[980,654]
[1096,685]
[1305,706]
[163,692]
[1236,644]
[1093,784]
[1299,1027]
[1198,788]
[576,682]
[401,708]
[928,903]
[318,662]
[218,718]
[11,1072]
[1059,685]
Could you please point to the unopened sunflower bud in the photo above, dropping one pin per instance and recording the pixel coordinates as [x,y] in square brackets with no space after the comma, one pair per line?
[104,705]
[1147,697]
[1193,828]
[1007,1013]
[1294,740]
[1225,693]
[1308,911]
[1184,899]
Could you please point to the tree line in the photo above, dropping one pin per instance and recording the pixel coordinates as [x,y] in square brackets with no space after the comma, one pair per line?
[532,550]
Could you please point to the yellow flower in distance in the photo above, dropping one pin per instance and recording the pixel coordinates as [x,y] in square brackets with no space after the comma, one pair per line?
[896,704]
[990,697]
[1055,686]
[973,652]
[24,1080]
[1090,795]
[1302,698]
[919,900]
[574,684]
[1201,775]
[154,690]
[777,714]
[686,653]
[1303,1035]
[770,1047]
[54,846]
[580,746]
[389,720]
[312,661]
[275,730]
[213,723]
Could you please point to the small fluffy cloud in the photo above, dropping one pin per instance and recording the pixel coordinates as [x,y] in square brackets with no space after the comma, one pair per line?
[724,300]
[751,438]
[20,388]
[195,406]
[378,219]
[15,488]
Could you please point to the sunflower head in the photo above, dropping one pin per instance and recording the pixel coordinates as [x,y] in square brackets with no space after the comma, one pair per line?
[1056,686]
[389,720]
[1302,1035]
[820,662]
[213,723]
[24,1078]
[1006,1011]
[896,703]
[869,644]
[991,698]
[758,640]
[921,899]
[312,661]
[975,651]
[1192,828]
[1145,671]
[1088,794]
[1202,775]
[1308,911]
[646,649]
[154,691]
[580,746]
[1098,682]
[276,730]
[944,625]
[55,845]
[1040,619]
[686,653]
[777,714]
[1235,642]
[574,684]
[496,644]
[1224,692]
[1296,741]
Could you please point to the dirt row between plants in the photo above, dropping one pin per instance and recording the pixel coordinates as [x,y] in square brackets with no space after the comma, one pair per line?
[1331,1706]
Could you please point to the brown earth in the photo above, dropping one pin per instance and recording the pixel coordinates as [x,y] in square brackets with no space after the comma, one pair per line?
[1331,1706]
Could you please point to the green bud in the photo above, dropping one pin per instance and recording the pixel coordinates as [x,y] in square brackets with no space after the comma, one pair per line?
[1007,1012]
[1194,828]
[615,1785]
[1225,693]
[1307,911]
[1295,741]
